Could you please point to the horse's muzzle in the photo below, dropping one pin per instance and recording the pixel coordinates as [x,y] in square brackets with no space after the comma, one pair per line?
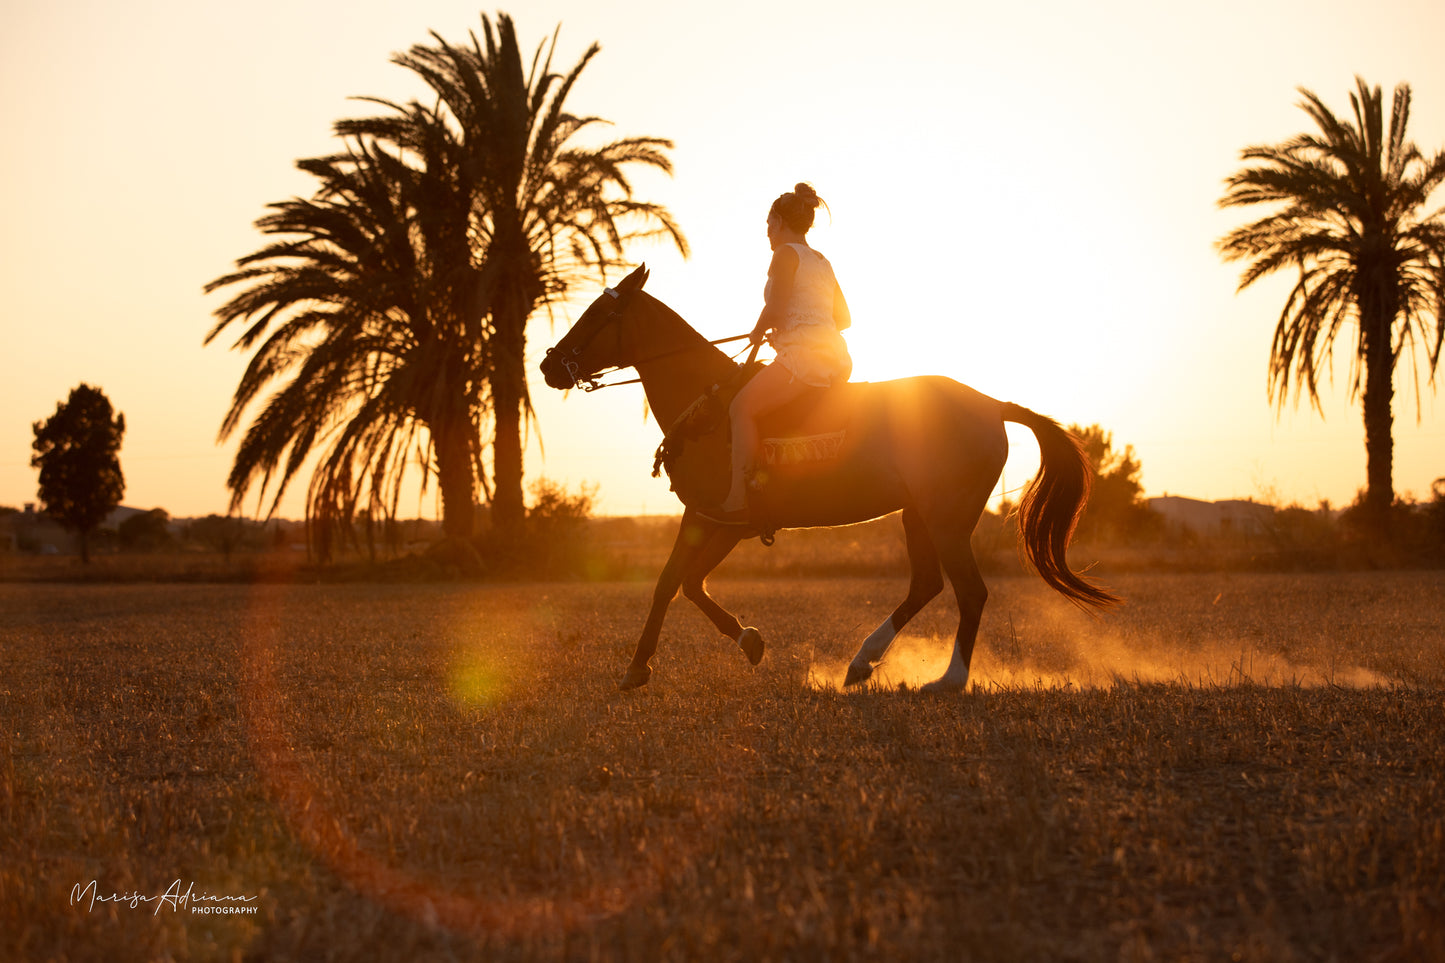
[555,373]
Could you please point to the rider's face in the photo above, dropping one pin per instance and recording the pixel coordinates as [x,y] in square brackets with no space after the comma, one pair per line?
[775,228]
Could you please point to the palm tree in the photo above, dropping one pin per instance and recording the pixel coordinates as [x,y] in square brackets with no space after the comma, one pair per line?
[545,211]
[1350,220]
[364,304]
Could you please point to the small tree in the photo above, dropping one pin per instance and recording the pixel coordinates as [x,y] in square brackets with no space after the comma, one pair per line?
[78,453]
[1116,504]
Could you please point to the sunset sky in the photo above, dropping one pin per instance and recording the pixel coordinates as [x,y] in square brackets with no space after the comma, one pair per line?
[1023,197]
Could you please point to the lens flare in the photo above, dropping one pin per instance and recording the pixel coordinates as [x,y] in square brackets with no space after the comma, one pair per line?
[479,676]
[475,682]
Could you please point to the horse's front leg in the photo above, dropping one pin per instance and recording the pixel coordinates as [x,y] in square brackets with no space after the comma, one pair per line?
[716,547]
[692,534]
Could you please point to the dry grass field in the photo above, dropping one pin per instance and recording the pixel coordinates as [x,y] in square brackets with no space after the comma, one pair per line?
[1229,768]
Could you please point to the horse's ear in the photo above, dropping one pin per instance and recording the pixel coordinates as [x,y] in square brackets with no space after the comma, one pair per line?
[635,280]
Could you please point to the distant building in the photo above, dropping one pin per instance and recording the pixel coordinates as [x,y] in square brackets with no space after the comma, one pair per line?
[1232,518]
[120,514]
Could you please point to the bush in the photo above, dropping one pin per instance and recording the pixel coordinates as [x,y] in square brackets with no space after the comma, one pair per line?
[227,533]
[147,532]
[556,540]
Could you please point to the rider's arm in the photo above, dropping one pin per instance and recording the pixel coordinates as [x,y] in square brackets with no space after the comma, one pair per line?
[780,288]
[842,317]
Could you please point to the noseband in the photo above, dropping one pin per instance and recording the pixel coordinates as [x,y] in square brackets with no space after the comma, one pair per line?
[568,359]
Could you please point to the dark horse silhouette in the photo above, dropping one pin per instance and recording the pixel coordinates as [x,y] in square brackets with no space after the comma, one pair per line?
[928,446]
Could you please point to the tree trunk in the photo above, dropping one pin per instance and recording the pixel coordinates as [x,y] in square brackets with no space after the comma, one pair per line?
[515,293]
[1379,444]
[1376,321]
[455,478]
[508,391]
[509,395]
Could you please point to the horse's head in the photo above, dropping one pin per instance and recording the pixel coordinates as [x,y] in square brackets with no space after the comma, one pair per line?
[598,341]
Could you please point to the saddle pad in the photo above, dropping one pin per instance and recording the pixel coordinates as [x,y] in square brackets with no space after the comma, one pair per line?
[803,448]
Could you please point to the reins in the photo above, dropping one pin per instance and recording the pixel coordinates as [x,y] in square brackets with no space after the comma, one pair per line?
[590,382]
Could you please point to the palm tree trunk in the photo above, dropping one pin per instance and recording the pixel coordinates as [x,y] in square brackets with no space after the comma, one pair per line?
[1379,446]
[511,310]
[508,393]
[1378,396]
[454,477]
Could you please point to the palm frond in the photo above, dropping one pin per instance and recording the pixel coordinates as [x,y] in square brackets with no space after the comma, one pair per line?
[395,299]
[1347,202]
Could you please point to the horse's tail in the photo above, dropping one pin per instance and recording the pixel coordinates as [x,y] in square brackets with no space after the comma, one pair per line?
[1050,509]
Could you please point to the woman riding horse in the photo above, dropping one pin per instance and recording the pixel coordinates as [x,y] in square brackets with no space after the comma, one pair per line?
[928,447]
[805,312]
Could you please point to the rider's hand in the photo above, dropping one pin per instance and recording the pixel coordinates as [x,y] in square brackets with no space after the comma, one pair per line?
[757,336]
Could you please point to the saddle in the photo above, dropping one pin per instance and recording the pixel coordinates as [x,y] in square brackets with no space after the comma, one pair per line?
[800,438]
[802,448]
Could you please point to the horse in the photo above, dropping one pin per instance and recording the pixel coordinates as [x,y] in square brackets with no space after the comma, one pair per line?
[928,447]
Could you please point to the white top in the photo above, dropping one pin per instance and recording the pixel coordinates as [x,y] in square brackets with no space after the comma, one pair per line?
[807,340]
[811,300]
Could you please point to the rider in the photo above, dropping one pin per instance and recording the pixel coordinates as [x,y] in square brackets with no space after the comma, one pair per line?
[804,309]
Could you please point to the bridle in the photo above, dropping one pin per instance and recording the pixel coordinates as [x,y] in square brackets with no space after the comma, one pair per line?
[568,359]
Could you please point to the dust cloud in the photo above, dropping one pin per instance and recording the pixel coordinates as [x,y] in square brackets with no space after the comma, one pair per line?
[1081,653]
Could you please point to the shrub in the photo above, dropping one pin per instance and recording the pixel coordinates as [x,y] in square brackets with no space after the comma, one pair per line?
[146,532]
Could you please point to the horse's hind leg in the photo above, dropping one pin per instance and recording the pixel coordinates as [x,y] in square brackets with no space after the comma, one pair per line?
[972,593]
[924,583]
[710,554]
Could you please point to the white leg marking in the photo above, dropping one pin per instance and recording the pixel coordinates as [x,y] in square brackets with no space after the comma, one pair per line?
[954,678]
[873,648]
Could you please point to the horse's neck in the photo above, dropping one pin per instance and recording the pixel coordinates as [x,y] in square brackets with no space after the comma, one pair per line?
[680,364]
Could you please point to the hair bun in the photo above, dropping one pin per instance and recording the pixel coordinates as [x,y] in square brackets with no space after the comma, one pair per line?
[796,207]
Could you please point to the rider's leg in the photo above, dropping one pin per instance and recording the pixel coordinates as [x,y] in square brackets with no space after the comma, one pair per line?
[768,389]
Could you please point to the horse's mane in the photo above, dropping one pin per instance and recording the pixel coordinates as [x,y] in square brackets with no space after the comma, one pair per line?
[676,326]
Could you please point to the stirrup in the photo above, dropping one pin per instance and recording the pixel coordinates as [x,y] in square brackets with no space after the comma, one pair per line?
[737,517]
[741,518]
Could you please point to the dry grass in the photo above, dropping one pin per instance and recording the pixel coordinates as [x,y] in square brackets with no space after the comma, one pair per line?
[1230,768]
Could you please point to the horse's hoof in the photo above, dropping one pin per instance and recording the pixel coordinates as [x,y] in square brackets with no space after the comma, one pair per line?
[636,677]
[857,674]
[944,686]
[751,641]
